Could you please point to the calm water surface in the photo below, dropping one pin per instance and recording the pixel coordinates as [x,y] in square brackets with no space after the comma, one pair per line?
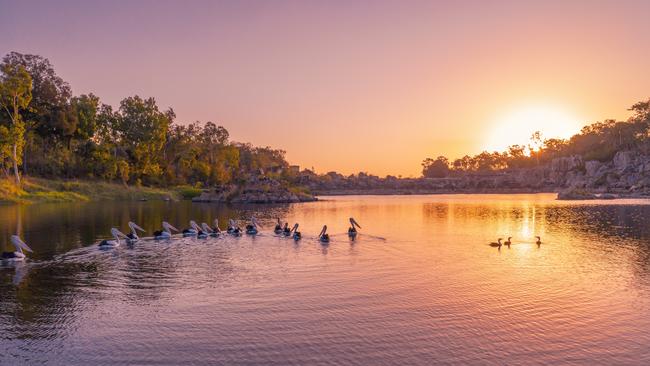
[419,286]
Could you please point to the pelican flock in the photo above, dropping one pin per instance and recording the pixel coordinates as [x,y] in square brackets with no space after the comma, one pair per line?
[204,231]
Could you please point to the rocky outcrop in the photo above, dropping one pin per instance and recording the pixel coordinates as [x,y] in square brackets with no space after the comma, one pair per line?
[626,174]
[256,190]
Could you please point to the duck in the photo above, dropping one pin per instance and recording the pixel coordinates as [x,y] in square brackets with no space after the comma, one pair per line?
[165,233]
[496,244]
[539,241]
[106,243]
[133,235]
[324,236]
[19,254]
[192,230]
[233,229]
[278,227]
[508,242]
[352,230]
[251,229]
[296,234]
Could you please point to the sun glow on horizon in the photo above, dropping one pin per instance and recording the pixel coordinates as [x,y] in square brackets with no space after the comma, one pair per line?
[517,126]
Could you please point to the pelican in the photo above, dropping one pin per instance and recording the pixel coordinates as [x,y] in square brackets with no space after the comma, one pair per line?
[199,231]
[497,244]
[18,255]
[278,227]
[296,234]
[285,230]
[508,242]
[324,237]
[165,233]
[192,230]
[216,231]
[539,241]
[251,229]
[207,230]
[104,244]
[233,228]
[352,231]
[133,235]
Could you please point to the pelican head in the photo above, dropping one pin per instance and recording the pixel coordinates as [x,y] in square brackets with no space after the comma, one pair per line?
[216,225]
[118,234]
[354,223]
[135,227]
[295,227]
[232,223]
[194,225]
[168,227]
[255,222]
[20,245]
[323,231]
[206,228]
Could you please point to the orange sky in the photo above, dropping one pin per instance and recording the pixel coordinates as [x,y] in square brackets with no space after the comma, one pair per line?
[371,86]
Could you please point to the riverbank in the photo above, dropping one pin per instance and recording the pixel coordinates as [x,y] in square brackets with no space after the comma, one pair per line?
[38,190]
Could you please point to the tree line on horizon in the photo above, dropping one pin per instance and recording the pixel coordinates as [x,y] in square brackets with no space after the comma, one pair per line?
[46,131]
[598,141]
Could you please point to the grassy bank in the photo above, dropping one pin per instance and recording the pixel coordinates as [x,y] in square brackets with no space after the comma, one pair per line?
[35,190]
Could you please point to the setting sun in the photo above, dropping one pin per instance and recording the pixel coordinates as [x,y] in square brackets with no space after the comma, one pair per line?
[517,126]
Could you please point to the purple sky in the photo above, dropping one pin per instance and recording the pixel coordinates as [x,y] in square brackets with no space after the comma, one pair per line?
[350,86]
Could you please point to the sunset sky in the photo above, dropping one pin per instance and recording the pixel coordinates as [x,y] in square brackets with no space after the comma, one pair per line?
[373,86]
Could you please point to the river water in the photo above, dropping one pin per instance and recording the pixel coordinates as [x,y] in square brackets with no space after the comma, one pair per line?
[419,286]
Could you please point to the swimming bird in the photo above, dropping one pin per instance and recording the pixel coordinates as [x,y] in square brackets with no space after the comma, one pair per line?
[193,230]
[233,229]
[105,244]
[539,241]
[216,231]
[165,233]
[208,230]
[18,255]
[497,244]
[278,227]
[199,231]
[133,235]
[251,229]
[352,230]
[324,236]
[285,230]
[508,242]
[296,234]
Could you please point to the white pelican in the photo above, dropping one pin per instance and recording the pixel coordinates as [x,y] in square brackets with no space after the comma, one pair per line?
[233,228]
[352,231]
[216,231]
[133,235]
[18,255]
[165,233]
[113,243]
[193,230]
[205,228]
[296,234]
[324,236]
[497,244]
[251,229]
